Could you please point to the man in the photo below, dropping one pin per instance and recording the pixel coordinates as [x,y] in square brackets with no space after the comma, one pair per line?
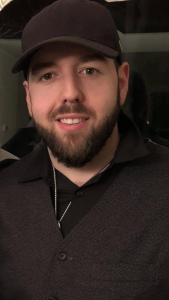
[86,216]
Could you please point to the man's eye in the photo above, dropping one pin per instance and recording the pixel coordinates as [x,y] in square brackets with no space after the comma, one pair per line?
[47,77]
[90,71]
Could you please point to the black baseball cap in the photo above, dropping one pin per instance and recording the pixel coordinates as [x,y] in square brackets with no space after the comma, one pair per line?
[82,22]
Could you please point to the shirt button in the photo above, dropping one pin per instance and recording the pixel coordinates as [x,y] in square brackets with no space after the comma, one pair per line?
[62,256]
[80,194]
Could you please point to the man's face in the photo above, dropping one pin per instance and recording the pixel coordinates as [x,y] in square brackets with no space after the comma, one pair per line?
[74,96]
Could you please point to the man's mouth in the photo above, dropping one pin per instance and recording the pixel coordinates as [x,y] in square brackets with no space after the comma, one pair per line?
[71,121]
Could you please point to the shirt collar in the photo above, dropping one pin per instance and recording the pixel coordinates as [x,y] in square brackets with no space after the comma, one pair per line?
[131,147]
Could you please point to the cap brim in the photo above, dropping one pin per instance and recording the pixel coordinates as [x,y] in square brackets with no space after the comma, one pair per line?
[24,59]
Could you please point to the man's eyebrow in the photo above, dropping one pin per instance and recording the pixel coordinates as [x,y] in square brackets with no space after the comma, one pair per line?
[93,57]
[40,66]
[86,58]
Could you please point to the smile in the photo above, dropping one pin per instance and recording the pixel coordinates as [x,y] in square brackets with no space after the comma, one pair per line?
[71,121]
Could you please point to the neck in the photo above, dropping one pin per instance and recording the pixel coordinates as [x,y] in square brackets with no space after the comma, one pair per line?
[80,176]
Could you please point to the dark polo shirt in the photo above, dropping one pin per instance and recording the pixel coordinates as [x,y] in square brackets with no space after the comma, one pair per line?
[83,198]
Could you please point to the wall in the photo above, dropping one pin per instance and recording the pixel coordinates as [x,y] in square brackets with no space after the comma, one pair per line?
[13,110]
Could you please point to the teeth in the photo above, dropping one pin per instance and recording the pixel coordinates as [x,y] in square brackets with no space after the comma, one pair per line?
[71,121]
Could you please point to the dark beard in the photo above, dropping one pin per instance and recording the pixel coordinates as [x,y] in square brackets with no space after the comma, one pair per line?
[70,153]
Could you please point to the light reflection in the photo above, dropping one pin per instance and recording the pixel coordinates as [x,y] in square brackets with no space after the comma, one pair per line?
[3,3]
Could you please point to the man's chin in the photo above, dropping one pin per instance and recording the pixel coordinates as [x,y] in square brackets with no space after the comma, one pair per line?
[70,154]
[69,146]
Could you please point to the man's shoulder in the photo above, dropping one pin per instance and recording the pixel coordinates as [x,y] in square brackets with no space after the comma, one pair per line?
[154,147]
[152,168]
[18,168]
[157,153]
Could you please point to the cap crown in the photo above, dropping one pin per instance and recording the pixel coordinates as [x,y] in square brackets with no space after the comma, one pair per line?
[80,18]
[78,21]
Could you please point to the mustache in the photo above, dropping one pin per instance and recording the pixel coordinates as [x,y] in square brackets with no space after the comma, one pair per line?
[67,109]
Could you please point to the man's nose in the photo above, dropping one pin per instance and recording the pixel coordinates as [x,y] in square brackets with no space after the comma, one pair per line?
[72,90]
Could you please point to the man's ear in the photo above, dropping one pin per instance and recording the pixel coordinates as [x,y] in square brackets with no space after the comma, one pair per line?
[123,75]
[28,99]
